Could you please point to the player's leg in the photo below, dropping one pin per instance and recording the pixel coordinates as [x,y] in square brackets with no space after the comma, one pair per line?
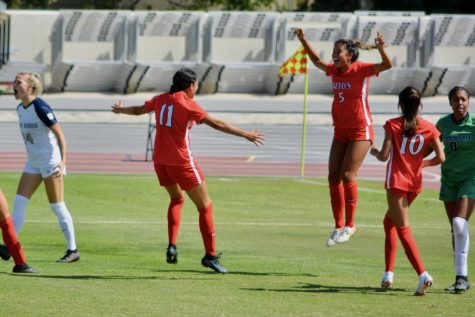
[463,209]
[354,156]
[337,195]
[399,202]
[29,181]
[200,197]
[54,186]
[177,200]
[390,247]
[10,239]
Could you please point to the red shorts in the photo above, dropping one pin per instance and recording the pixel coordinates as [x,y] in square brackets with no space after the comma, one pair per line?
[402,193]
[187,177]
[345,135]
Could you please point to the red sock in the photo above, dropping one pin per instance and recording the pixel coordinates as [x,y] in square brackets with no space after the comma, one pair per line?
[410,247]
[337,198]
[207,229]
[351,196]
[390,243]
[11,241]
[174,216]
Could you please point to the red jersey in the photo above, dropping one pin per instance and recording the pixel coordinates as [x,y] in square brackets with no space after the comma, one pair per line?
[350,108]
[404,170]
[174,116]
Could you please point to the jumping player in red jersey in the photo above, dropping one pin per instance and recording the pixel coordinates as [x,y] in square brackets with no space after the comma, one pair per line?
[407,140]
[12,246]
[176,169]
[353,132]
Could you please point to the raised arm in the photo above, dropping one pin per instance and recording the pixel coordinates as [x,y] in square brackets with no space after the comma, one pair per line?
[386,62]
[119,108]
[383,155]
[255,137]
[316,60]
[439,157]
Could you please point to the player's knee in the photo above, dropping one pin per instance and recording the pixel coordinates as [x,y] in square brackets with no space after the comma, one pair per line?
[459,225]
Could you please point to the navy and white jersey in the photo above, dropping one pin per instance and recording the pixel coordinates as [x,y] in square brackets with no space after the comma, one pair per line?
[41,144]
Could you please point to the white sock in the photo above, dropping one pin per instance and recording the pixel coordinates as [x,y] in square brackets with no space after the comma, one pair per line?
[66,223]
[19,212]
[462,241]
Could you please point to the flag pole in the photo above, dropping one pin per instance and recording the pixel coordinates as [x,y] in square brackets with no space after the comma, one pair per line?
[304,126]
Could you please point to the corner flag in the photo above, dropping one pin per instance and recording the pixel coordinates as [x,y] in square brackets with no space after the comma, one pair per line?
[296,64]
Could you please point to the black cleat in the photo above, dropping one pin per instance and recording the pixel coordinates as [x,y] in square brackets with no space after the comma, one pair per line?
[213,263]
[70,256]
[4,253]
[172,254]
[461,284]
[24,269]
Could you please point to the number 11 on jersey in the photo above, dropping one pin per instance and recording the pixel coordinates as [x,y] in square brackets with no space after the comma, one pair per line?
[169,115]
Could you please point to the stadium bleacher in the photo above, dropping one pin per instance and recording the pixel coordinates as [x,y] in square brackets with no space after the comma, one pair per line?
[90,51]
[236,52]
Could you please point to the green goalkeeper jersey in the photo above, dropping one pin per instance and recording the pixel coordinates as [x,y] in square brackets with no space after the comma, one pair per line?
[459,147]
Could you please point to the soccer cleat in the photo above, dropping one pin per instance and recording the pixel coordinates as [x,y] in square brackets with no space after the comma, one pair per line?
[70,256]
[425,281]
[461,284]
[387,281]
[4,253]
[24,269]
[345,234]
[331,240]
[172,254]
[213,263]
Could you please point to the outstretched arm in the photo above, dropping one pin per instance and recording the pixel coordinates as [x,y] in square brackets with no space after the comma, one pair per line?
[255,137]
[386,62]
[316,60]
[119,108]
[383,155]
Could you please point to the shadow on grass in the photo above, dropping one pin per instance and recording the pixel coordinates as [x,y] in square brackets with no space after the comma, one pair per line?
[318,288]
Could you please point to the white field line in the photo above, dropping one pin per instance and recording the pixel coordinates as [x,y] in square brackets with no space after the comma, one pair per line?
[247,224]
[361,189]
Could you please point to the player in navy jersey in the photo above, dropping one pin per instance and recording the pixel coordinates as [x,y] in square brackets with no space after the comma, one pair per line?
[46,158]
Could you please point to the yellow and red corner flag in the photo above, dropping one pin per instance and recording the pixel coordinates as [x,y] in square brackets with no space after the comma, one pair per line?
[296,64]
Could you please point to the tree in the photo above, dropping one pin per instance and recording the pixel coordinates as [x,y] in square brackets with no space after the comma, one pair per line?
[205,5]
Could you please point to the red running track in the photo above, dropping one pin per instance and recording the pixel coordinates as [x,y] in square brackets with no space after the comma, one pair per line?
[212,166]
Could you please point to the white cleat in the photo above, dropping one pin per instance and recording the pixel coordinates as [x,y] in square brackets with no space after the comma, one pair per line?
[387,281]
[345,234]
[425,281]
[331,240]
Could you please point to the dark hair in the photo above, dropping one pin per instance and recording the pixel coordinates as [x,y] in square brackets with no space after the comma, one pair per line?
[352,47]
[182,79]
[409,103]
[457,88]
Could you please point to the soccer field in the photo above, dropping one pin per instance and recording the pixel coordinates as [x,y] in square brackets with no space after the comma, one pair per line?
[271,232]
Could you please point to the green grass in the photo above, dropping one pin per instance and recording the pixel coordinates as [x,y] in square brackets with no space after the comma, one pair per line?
[272,233]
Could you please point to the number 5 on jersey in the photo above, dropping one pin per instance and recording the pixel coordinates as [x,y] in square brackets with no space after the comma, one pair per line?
[168,116]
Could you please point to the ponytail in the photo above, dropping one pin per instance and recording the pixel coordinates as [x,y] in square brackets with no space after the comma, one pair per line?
[182,79]
[409,103]
[352,47]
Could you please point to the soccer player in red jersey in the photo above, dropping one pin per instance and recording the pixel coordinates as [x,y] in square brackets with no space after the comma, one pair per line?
[407,140]
[12,247]
[353,130]
[177,171]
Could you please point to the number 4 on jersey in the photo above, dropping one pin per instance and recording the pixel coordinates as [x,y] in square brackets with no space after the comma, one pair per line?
[169,115]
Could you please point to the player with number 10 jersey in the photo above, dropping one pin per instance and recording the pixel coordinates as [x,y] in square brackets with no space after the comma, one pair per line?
[404,169]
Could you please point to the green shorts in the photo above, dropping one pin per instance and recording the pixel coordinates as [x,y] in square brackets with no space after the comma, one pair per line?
[451,191]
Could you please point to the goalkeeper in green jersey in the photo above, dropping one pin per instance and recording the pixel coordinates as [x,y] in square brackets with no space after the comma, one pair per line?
[457,189]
